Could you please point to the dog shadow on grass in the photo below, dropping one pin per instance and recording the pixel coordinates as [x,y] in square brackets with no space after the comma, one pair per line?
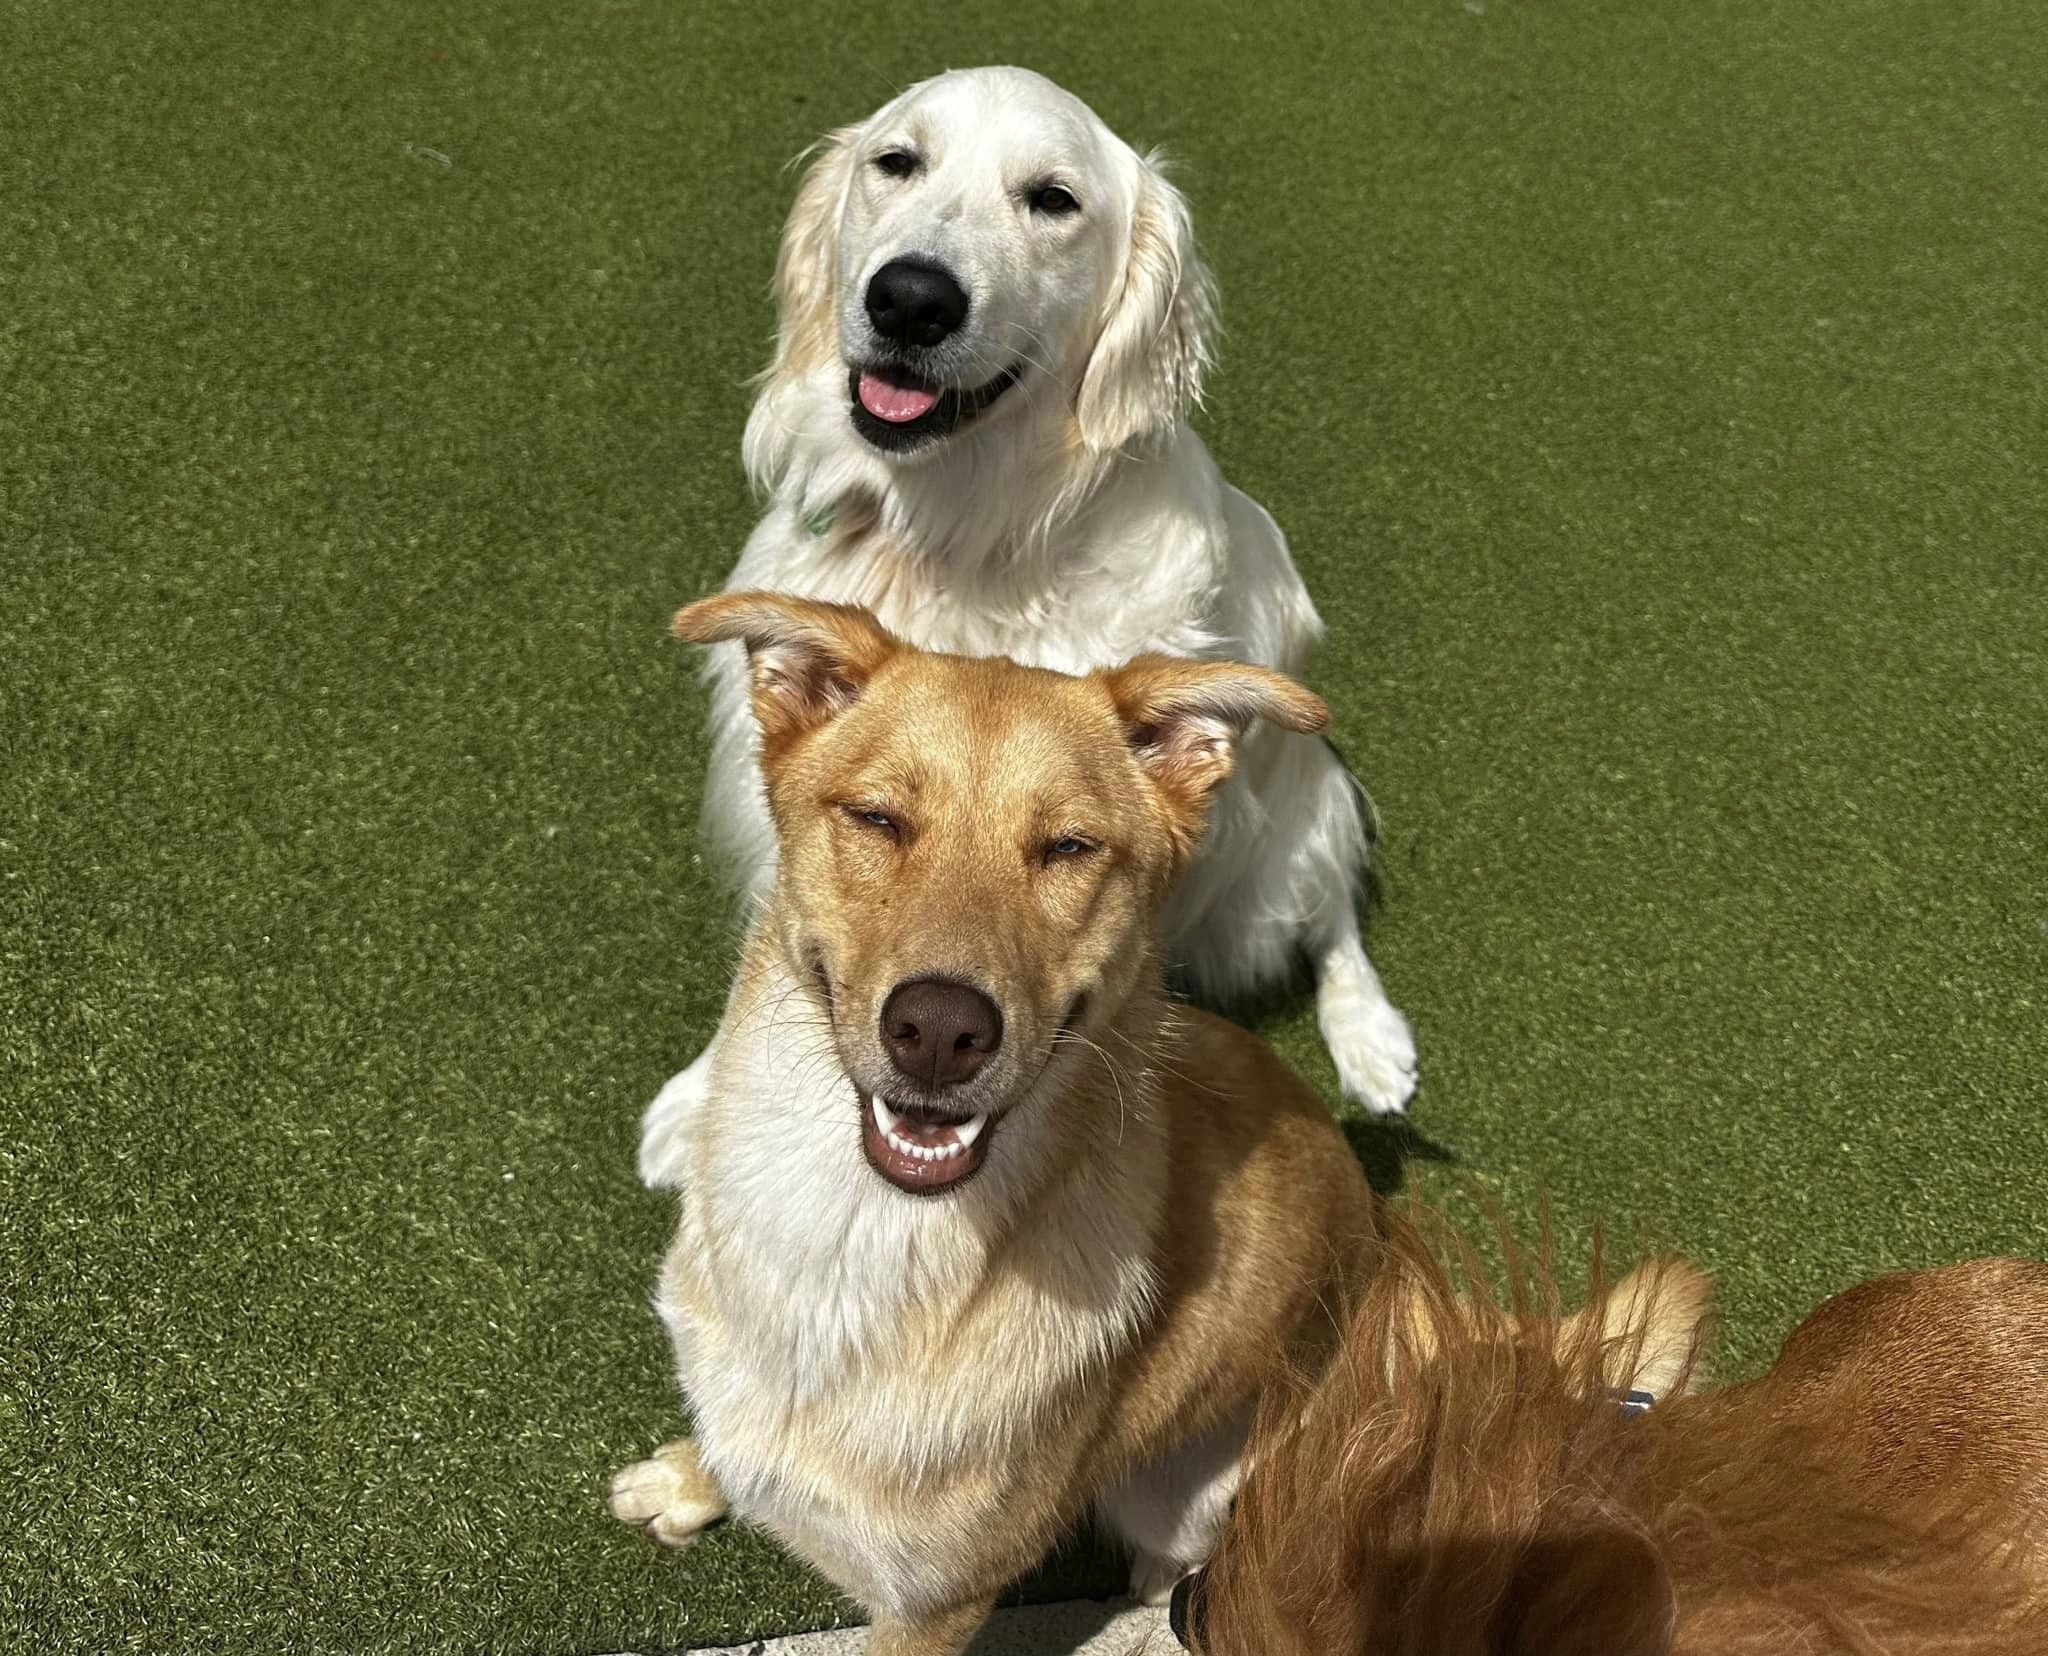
[1384,1145]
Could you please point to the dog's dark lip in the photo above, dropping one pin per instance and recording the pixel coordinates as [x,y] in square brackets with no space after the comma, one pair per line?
[824,979]
[954,408]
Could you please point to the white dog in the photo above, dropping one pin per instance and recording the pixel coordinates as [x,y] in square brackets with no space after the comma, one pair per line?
[992,328]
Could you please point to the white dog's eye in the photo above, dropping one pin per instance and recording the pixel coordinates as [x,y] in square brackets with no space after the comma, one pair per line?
[1053,200]
[897,163]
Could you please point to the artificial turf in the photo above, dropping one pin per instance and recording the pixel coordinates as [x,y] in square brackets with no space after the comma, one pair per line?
[1653,393]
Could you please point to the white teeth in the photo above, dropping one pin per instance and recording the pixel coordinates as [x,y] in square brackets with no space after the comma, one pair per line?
[926,1152]
[888,1123]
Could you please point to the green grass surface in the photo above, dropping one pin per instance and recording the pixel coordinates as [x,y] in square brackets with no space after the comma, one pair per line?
[1653,394]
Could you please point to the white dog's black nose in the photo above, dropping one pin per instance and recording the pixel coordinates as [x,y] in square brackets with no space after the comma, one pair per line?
[915,303]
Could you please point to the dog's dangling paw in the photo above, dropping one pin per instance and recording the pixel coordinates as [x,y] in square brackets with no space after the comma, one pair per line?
[669,1498]
[1154,1578]
[1371,1044]
[661,1127]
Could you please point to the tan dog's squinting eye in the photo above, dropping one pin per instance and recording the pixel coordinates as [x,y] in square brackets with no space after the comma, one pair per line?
[874,818]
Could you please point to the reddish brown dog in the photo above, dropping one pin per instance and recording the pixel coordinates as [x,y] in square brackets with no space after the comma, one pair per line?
[1463,1483]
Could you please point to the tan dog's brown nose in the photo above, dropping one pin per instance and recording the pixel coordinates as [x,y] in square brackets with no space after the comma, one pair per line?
[938,1033]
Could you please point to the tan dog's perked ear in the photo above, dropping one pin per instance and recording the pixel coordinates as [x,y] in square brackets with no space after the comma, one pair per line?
[808,660]
[1158,340]
[1184,720]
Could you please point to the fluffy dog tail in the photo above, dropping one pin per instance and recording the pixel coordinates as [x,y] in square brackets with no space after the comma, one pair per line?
[1477,1473]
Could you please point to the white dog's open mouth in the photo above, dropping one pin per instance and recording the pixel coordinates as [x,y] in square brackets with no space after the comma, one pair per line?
[896,409]
[919,1149]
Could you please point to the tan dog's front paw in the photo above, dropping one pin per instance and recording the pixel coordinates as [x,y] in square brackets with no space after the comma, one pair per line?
[669,1498]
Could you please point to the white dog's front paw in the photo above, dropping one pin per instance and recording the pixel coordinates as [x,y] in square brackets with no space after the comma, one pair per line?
[1371,1043]
[667,1500]
[661,1128]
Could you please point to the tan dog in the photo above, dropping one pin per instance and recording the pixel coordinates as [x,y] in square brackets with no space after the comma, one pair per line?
[1460,1482]
[978,1230]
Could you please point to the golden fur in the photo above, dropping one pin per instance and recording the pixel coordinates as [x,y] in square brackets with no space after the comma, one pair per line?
[919,1393]
[1459,1483]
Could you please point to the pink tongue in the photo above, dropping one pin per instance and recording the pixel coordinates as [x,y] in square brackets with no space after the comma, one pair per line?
[933,1137]
[898,404]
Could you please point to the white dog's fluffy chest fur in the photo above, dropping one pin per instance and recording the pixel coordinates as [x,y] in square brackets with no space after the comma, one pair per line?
[1169,559]
[857,1360]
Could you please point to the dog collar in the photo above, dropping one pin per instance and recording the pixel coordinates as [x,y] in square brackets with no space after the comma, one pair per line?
[819,523]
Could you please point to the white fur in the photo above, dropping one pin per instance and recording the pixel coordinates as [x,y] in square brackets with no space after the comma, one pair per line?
[1173,1512]
[1077,522]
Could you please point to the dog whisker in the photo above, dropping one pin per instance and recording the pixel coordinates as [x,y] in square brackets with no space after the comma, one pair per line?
[1168,1024]
[1111,1066]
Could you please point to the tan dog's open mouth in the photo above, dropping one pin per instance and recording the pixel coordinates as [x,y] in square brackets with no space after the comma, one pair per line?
[920,1150]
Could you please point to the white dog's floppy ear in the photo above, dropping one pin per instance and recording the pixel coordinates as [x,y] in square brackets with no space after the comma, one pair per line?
[1159,338]
[807,263]
[1184,720]
[809,661]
